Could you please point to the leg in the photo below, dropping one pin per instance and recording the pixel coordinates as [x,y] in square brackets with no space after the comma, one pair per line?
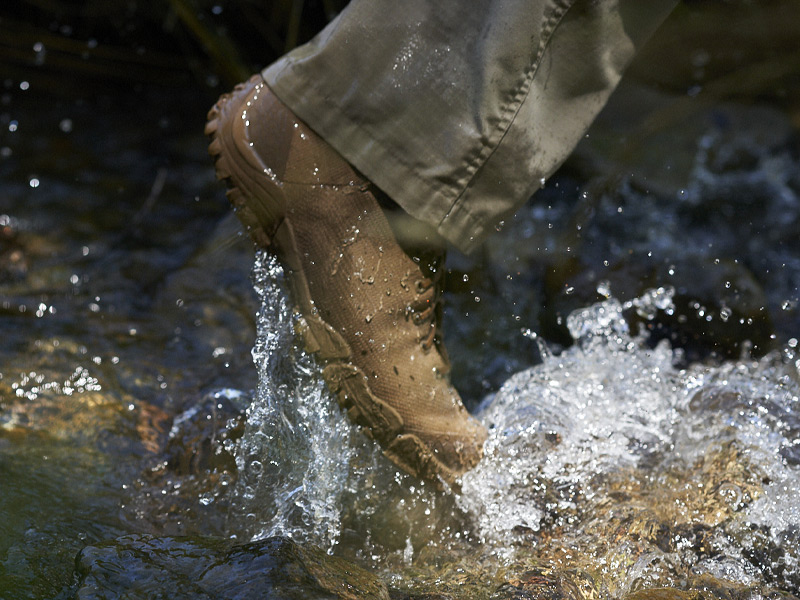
[368,307]
[455,112]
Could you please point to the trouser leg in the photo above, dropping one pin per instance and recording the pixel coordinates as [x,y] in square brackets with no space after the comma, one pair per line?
[458,109]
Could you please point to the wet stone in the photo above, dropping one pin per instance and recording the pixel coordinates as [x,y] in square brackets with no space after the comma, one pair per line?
[141,566]
[543,584]
[201,437]
[395,595]
[185,489]
[706,587]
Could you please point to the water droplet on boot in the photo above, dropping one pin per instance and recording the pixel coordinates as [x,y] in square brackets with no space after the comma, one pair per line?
[336,262]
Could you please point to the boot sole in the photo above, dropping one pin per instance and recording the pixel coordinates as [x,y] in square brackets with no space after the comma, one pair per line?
[261,207]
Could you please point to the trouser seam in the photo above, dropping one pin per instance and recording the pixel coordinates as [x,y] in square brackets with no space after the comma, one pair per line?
[513,106]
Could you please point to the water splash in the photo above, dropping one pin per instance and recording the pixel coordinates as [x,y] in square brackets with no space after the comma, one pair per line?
[606,458]
[294,457]
[611,427]
[596,408]
[305,471]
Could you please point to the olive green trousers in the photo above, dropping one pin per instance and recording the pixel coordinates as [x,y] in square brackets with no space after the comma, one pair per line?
[460,109]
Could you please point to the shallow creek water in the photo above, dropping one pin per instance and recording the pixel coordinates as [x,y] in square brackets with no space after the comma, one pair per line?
[630,338]
[608,471]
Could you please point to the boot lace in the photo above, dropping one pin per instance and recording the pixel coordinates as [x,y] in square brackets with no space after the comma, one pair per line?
[427,311]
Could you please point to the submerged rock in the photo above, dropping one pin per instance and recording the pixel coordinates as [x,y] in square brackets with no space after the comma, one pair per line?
[546,584]
[185,489]
[141,566]
[706,587]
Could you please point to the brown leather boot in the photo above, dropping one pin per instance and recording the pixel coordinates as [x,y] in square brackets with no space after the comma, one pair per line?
[368,309]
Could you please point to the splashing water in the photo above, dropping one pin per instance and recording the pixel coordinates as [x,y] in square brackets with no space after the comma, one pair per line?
[611,425]
[597,408]
[605,458]
[293,458]
[305,472]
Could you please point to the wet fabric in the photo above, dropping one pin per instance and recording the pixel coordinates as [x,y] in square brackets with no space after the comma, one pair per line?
[457,109]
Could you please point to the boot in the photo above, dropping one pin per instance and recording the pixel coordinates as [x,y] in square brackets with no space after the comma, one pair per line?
[368,308]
